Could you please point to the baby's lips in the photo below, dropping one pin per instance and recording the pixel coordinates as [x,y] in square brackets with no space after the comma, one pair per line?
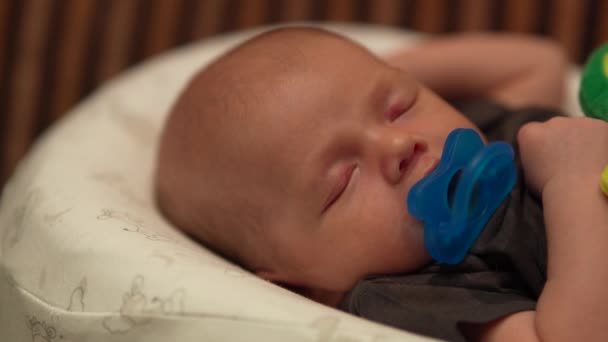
[431,167]
[426,165]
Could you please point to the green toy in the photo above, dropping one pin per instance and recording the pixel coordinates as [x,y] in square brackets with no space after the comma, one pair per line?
[593,94]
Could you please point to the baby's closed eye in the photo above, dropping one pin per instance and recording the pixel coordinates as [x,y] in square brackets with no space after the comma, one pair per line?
[339,184]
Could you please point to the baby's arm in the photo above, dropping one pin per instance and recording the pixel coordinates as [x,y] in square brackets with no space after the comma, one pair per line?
[563,159]
[515,70]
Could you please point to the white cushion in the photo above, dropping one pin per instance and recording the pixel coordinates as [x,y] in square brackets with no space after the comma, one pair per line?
[84,254]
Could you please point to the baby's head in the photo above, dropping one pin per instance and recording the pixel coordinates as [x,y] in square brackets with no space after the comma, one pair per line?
[293,155]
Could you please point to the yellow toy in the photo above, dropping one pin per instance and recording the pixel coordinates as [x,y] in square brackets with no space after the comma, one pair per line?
[604,181]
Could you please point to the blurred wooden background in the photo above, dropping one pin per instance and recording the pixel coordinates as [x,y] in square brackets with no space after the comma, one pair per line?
[55,52]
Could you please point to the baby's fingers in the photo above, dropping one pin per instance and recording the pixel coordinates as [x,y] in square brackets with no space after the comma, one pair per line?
[532,144]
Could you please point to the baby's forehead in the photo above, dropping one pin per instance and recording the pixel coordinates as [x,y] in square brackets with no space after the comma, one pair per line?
[283,91]
[273,99]
[291,47]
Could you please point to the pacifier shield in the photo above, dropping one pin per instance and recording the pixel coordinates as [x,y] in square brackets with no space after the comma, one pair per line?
[456,200]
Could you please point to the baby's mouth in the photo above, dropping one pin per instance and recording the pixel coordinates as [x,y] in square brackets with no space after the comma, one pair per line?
[425,164]
[432,165]
[422,165]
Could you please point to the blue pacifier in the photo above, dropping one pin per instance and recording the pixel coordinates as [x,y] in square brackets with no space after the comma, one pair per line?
[457,199]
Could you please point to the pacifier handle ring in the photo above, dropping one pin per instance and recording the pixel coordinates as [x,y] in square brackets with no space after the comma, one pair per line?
[493,159]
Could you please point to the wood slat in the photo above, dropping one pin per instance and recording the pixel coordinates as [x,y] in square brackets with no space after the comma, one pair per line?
[25,83]
[208,18]
[430,16]
[71,48]
[185,22]
[12,17]
[521,15]
[5,7]
[49,77]
[387,12]
[567,25]
[296,10]
[474,15]
[163,26]
[115,40]
[341,10]
[601,29]
[251,13]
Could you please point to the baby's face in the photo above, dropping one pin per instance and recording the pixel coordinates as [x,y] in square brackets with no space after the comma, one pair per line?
[350,136]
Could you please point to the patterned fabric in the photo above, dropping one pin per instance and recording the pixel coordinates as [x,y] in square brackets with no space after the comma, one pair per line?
[55,52]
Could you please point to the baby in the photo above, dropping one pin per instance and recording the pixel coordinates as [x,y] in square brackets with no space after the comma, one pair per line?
[293,155]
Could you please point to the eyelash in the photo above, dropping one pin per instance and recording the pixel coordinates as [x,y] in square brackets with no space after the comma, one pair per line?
[394,113]
[397,111]
[344,181]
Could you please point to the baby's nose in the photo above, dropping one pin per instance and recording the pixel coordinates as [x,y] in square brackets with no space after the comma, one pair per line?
[397,153]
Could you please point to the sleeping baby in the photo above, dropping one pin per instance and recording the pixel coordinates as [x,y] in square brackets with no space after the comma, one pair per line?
[293,155]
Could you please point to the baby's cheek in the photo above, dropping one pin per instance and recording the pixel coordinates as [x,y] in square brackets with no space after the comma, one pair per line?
[380,214]
[378,209]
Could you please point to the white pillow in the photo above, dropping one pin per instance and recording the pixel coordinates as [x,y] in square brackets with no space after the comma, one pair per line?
[84,255]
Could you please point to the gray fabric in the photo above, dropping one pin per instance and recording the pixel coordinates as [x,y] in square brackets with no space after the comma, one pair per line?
[503,273]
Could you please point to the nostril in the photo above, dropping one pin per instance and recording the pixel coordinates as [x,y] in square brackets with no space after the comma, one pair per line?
[419,148]
[402,165]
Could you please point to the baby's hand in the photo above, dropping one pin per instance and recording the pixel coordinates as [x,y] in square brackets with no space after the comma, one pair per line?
[563,152]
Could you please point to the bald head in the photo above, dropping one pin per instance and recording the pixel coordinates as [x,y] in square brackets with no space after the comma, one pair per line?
[216,150]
